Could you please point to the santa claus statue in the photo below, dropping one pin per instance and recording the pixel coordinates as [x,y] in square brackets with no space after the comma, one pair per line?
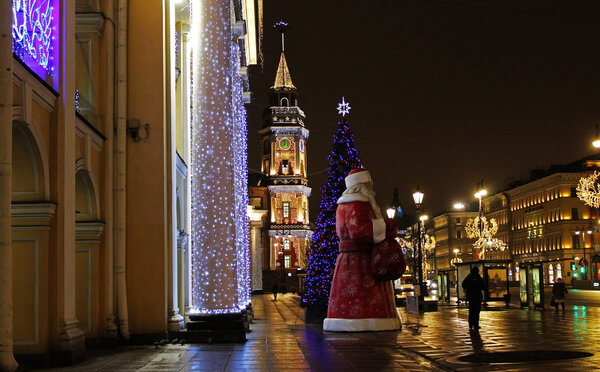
[358,302]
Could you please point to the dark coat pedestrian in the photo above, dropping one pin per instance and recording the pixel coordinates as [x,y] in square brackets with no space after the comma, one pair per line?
[559,290]
[474,287]
[275,291]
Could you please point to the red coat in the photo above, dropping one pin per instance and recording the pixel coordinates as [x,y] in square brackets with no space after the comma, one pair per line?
[357,301]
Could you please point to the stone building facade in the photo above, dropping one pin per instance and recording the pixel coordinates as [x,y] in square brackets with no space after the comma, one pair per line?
[99,191]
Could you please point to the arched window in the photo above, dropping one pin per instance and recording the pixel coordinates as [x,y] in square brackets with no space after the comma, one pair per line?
[550,273]
[285,101]
[558,271]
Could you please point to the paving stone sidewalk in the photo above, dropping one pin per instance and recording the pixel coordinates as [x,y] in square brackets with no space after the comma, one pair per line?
[280,341]
[446,337]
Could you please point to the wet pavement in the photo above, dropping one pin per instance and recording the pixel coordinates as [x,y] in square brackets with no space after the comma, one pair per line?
[280,341]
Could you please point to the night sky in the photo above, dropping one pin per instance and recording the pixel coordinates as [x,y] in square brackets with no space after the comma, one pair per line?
[443,93]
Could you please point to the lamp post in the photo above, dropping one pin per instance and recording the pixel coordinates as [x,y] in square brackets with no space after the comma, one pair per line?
[480,194]
[418,199]
[283,286]
[583,232]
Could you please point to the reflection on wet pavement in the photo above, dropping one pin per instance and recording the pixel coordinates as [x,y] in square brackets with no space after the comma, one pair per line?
[280,340]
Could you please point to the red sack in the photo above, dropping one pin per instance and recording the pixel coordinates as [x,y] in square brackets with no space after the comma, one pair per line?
[387,260]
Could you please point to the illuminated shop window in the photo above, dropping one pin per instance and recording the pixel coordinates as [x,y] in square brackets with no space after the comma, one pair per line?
[286,262]
[286,244]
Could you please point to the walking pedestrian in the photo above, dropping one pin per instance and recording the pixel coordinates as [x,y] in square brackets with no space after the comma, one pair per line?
[474,287]
[275,291]
[559,290]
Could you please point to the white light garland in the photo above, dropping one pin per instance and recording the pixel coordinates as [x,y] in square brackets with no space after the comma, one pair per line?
[220,256]
[588,190]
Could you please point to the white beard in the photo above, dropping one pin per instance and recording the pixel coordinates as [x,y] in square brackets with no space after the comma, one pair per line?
[361,192]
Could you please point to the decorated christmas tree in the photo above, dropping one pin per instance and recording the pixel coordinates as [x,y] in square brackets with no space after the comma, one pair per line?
[321,261]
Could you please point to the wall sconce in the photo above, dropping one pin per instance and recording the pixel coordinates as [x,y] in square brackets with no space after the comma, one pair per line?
[133,127]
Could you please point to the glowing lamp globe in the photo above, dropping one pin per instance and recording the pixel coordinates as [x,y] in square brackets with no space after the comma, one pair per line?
[418,198]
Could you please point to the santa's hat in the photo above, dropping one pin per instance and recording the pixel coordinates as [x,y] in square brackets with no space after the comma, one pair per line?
[356,176]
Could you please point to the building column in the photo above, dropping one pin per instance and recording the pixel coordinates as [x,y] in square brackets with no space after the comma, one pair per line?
[220,224]
[7,360]
[175,320]
[110,327]
[187,137]
[71,341]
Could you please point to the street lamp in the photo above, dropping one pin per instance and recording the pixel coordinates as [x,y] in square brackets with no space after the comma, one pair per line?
[480,194]
[459,206]
[596,142]
[390,213]
[418,199]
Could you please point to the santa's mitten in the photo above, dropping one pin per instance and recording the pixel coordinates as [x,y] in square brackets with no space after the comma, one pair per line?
[390,228]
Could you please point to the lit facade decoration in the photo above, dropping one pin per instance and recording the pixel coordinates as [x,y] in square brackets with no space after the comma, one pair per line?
[429,245]
[544,216]
[34,33]
[220,255]
[588,190]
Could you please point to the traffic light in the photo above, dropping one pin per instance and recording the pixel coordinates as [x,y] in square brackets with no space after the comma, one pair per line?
[582,269]
[573,267]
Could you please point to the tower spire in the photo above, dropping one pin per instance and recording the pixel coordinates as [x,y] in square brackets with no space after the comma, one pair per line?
[283,79]
[282,27]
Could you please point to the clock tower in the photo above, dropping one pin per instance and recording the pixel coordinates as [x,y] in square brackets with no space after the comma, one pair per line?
[283,162]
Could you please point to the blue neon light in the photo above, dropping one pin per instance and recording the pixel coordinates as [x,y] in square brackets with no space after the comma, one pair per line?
[33,32]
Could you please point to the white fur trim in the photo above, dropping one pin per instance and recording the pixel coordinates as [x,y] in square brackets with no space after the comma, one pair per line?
[358,177]
[349,198]
[378,230]
[361,325]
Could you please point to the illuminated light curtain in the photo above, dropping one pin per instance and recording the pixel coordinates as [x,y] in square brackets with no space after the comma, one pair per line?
[220,263]
[240,150]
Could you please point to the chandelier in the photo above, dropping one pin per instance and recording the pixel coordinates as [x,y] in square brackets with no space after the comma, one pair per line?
[588,190]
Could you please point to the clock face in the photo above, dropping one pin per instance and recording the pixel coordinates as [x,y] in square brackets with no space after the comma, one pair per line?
[285,143]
